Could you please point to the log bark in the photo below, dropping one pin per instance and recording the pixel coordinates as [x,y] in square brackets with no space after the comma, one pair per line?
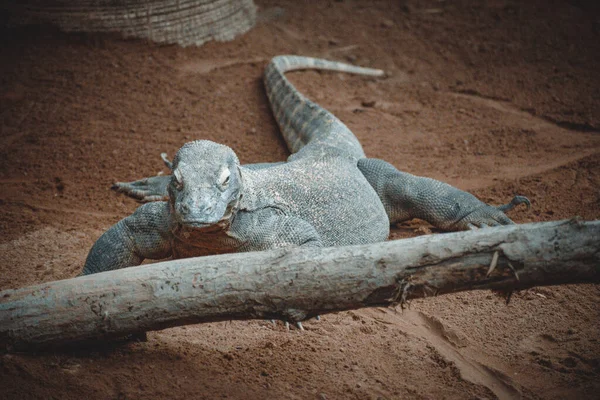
[295,284]
[185,22]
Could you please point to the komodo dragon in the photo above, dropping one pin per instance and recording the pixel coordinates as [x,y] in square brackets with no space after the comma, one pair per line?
[326,194]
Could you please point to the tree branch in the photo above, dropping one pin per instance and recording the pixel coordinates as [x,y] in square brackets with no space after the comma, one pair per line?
[298,283]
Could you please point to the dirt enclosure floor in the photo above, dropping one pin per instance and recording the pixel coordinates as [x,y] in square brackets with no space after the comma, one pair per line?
[499,97]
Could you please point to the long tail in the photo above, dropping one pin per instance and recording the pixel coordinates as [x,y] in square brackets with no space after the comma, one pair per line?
[301,121]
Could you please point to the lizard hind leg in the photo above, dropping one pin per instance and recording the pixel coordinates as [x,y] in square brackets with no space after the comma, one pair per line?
[407,196]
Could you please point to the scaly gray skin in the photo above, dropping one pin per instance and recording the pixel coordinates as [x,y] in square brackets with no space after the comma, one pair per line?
[326,194]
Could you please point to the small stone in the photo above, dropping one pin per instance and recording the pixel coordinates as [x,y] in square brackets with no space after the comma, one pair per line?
[387,23]
[545,362]
[59,184]
[423,230]
[569,362]
[368,103]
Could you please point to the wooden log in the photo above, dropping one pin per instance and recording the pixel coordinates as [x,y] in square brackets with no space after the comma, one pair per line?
[185,22]
[295,284]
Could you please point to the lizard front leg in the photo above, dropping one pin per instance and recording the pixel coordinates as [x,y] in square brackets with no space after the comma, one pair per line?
[144,234]
[407,196]
[271,228]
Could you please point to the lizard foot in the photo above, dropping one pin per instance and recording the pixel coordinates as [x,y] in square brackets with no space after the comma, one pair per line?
[487,216]
[145,190]
[483,217]
[287,325]
[293,315]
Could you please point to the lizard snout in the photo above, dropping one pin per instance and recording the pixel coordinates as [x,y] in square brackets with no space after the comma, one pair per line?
[185,209]
[198,211]
[199,208]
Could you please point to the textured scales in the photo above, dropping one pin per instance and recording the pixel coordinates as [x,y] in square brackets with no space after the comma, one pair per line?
[326,194]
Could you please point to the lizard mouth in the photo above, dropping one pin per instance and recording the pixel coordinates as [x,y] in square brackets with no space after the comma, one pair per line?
[204,227]
[207,227]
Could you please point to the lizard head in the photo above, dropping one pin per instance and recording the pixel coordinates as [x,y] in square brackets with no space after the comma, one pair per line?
[206,186]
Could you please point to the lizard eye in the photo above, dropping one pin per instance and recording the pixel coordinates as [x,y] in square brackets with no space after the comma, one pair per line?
[224,177]
[178,179]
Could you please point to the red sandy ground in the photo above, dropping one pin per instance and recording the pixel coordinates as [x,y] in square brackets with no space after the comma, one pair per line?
[498,98]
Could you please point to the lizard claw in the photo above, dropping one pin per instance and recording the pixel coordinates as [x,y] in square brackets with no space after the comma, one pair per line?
[483,217]
[298,325]
[490,216]
[287,325]
[493,264]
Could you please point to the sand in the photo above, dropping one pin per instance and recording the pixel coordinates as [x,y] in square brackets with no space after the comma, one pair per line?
[498,98]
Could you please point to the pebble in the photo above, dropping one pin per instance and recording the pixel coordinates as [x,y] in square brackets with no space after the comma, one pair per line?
[368,103]
[387,23]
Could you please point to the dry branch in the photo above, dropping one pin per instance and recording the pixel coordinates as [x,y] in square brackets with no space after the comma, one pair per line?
[297,284]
